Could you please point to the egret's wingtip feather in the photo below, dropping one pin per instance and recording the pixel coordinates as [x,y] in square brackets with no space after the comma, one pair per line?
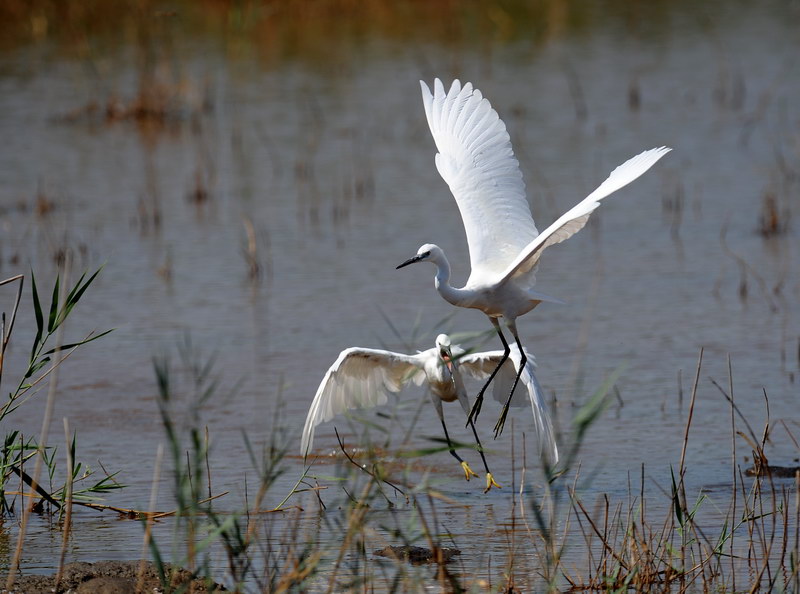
[305,443]
[575,218]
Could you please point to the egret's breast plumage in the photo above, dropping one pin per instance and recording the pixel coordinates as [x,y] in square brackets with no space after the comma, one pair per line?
[445,390]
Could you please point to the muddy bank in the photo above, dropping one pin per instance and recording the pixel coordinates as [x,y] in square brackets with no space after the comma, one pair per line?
[418,555]
[109,577]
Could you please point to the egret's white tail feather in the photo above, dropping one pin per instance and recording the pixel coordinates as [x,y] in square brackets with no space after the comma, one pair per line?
[542,297]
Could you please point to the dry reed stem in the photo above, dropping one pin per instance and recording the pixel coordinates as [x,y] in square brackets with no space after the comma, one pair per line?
[123,511]
[208,465]
[363,469]
[601,536]
[681,489]
[68,495]
[251,251]
[288,571]
[624,542]
[355,522]
[442,575]
[733,469]
[796,568]
[262,492]
[691,412]
[48,413]
[148,528]
[513,532]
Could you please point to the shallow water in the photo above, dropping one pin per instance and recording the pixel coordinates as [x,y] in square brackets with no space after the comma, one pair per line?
[329,157]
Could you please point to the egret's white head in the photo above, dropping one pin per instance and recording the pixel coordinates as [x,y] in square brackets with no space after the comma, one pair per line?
[428,252]
[445,354]
[443,341]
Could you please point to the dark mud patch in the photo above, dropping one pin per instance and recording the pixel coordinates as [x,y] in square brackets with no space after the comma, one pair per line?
[418,554]
[775,471]
[111,577]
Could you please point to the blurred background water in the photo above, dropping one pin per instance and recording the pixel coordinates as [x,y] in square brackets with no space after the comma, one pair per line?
[249,175]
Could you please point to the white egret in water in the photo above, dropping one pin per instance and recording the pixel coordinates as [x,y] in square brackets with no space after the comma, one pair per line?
[476,160]
[362,378]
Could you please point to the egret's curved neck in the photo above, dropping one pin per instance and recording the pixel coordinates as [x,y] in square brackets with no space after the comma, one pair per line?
[442,282]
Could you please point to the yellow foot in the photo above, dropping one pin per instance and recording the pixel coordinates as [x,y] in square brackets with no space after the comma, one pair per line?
[490,482]
[468,473]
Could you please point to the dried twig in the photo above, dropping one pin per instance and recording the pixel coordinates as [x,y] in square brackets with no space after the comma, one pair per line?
[364,469]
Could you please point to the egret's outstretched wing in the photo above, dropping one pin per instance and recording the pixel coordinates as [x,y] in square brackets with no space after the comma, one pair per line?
[360,378]
[476,160]
[541,414]
[480,365]
[575,218]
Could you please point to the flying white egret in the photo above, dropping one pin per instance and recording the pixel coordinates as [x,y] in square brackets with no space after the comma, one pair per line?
[362,378]
[476,160]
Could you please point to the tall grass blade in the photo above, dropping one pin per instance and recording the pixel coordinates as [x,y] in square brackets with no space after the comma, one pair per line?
[72,345]
[51,319]
[37,310]
[75,295]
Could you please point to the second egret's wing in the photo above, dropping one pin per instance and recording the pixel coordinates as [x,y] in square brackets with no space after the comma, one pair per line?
[360,378]
[480,365]
[541,414]
[476,160]
[575,218]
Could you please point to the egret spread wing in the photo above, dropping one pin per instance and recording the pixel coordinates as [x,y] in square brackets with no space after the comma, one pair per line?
[360,378]
[541,414]
[476,160]
[480,365]
[575,218]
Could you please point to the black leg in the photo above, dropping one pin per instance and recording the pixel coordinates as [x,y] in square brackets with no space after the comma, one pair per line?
[498,428]
[468,473]
[449,444]
[480,445]
[490,482]
[476,407]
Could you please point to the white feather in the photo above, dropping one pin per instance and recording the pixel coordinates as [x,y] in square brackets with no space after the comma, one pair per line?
[481,365]
[359,378]
[476,160]
[575,218]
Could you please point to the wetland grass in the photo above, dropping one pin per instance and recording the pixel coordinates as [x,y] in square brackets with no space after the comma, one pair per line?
[328,532]
[694,548]
[47,354]
[555,539]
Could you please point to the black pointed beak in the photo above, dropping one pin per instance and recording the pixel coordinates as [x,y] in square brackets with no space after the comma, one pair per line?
[410,261]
